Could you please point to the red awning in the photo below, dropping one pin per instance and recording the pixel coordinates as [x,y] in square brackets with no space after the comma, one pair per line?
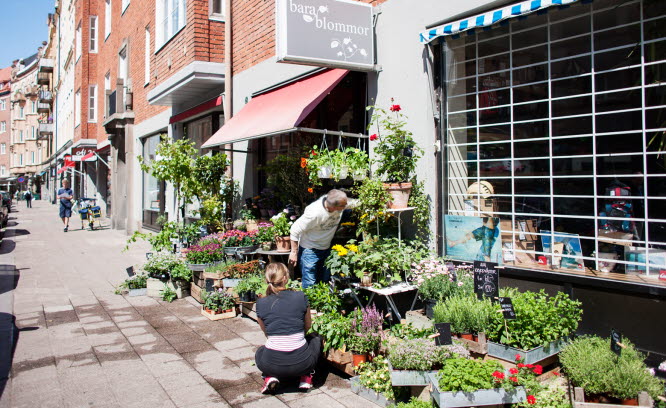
[88,156]
[64,168]
[203,107]
[279,110]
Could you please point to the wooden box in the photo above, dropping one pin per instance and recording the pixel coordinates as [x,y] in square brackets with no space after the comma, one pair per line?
[219,316]
[195,291]
[644,401]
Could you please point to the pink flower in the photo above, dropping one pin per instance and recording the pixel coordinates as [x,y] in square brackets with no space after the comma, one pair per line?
[395,108]
[513,371]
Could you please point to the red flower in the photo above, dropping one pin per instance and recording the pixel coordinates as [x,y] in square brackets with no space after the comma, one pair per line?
[513,371]
[531,400]
[538,370]
[310,190]
[373,137]
[304,162]
[395,108]
[313,153]
[529,365]
[498,375]
[514,379]
[518,357]
[521,365]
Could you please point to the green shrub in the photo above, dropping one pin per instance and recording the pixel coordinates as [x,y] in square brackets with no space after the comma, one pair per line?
[465,313]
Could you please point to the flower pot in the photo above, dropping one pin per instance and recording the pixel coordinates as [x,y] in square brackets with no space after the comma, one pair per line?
[399,193]
[266,246]
[429,305]
[283,244]
[358,359]
[247,296]
[251,225]
[366,280]
[467,336]
[342,173]
[325,172]
[630,401]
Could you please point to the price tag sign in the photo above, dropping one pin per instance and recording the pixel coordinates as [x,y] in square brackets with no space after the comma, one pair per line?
[616,342]
[507,308]
[486,280]
[444,334]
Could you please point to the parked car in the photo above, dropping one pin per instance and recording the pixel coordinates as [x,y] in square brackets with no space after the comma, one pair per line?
[7,200]
[4,213]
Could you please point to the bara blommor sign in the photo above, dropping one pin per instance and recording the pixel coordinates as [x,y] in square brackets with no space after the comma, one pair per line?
[327,33]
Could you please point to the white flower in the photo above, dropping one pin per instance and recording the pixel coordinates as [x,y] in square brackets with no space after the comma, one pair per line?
[285,211]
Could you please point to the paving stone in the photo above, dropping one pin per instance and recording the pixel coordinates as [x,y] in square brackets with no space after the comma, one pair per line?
[241,393]
[316,401]
[268,402]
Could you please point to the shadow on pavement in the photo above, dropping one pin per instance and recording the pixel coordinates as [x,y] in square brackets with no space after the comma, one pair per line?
[7,246]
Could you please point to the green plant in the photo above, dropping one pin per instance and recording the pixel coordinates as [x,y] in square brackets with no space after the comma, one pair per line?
[265,232]
[316,160]
[323,298]
[421,213]
[422,354]
[396,150]
[334,328]
[168,294]
[438,279]
[217,300]
[414,402]
[589,363]
[357,161]
[468,375]
[540,319]
[341,260]
[138,281]
[250,284]
[281,224]
[465,313]
[160,265]
[375,376]
[366,330]
[386,258]
[162,240]
[287,175]
[550,396]
[409,332]
[246,214]
[371,206]
[180,271]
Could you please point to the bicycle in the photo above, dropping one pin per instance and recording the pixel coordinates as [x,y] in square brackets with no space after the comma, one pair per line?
[89,211]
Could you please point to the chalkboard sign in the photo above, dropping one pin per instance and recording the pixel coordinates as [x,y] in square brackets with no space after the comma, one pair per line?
[210,285]
[486,280]
[616,341]
[444,331]
[507,308]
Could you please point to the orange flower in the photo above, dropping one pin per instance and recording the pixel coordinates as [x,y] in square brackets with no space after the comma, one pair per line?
[304,162]
[310,190]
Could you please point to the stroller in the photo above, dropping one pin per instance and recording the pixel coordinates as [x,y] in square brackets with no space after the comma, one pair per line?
[88,210]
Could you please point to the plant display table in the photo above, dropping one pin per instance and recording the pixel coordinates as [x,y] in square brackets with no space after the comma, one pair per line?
[388,294]
[495,396]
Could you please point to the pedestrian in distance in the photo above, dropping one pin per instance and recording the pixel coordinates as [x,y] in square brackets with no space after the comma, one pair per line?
[28,199]
[65,195]
[284,317]
[311,236]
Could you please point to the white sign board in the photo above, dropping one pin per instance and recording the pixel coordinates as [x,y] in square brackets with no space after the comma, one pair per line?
[326,33]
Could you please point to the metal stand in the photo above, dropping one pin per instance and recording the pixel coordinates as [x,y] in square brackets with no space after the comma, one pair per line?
[388,293]
[399,212]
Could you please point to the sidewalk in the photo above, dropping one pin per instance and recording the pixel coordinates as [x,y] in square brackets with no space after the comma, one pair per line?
[79,345]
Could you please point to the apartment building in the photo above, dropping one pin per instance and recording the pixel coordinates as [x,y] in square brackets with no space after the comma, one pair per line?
[5,127]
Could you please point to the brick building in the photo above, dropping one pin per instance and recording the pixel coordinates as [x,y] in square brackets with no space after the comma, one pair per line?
[5,127]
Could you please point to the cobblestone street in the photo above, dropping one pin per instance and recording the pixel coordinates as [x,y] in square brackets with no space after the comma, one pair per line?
[77,344]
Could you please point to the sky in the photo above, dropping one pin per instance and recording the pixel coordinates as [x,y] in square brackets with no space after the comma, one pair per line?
[22,28]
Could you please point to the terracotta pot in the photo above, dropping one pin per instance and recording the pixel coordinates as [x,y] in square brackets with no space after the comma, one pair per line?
[366,280]
[358,359]
[630,401]
[283,244]
[467,336]
[475,337]
[399,194]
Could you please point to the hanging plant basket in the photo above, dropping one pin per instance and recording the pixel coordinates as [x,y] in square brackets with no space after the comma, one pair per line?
[325,172]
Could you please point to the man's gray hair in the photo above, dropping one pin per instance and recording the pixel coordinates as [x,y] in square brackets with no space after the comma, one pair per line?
[336,198]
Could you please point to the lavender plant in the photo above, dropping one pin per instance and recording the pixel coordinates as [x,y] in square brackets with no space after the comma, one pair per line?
[366,330]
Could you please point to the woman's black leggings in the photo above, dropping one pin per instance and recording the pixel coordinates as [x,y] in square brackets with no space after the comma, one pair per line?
[301,361]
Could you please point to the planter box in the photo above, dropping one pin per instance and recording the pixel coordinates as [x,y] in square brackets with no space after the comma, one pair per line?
[507,353]
[249,309]
[199,278]
[154,287]
[198,267]
[219,316]
[480,346]
[495,396]
[138,292]
[195,291]
[401,378]
[368,394]
[644,401]
[342,360]
[230,282]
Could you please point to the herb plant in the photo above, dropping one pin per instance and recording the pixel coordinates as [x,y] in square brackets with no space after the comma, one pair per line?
[366,330]
[422,354]
[465,313]
[180,271]
[323,298]
[218,300]
[159,265]
[468,375]
[281,224]
[438,280]
[414,402]
[375,376]
[334,328]
[138,281]
[250,284]
[409,332]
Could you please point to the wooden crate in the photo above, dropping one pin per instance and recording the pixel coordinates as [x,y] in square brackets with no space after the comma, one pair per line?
[195,292]
[644,401]
[479,347]
[249,309]
[219,316]
[342,360]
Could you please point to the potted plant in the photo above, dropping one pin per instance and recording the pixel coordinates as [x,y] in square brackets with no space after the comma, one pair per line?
[467,315]
[437,280]
[282,231]
[248,287]
[340,261]
[207,250]
[365,333]
[466,382]
[374,383]
[410,360]
[265,235]
[181,276]
[319,165]
[396,151]
[358,163]
[250,219]
[158,268]
[134,286]
[603,376]
[371,206]
[323,298]
[334,328]
[218,305]
[541,328]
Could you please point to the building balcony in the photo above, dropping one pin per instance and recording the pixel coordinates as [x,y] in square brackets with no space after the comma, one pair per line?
[32,90]
[198,81]
[45,97]
[45,129]
[43,78]
[46,65]
[43,107]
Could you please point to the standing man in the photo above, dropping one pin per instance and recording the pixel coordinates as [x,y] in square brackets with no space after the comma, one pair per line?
[65,194]
[28,199]
[311,236]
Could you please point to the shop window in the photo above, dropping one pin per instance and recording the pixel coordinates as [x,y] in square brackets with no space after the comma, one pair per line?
[153,189]
[554,113]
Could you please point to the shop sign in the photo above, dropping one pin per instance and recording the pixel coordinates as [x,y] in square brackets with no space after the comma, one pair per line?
[79,152]
[327,33]
[486,280]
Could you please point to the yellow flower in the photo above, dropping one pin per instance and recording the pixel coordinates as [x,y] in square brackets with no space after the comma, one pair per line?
[347,224]
[337,248]
[364,215]
[343,252]
[352,247]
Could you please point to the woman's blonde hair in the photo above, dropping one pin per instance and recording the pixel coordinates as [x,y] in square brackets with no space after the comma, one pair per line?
[275,274]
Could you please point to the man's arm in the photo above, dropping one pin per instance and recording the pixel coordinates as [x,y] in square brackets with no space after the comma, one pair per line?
[299,227]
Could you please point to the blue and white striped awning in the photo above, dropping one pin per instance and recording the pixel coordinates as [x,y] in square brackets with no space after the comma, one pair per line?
[489,18]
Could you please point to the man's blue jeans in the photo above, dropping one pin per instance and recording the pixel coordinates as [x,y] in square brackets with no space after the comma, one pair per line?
[312,266]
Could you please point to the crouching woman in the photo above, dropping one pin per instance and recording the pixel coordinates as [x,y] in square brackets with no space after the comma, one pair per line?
[284,317]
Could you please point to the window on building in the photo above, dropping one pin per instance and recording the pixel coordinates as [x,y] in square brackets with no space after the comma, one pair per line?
[32,158]
[147,57]
[3,170]
[216,9]
[13,163]
[20,159]
[3,126]
[549,122]
[93,33]
[153,189]
[33,106]
[78,42]
[3,104]
[125,3]
[21,135]
[123,70]
[77,108]
[3,148]
[39,155]
[33,134]
[169,19]
[21,112]
[107,18]
[92,103]
[107,87]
